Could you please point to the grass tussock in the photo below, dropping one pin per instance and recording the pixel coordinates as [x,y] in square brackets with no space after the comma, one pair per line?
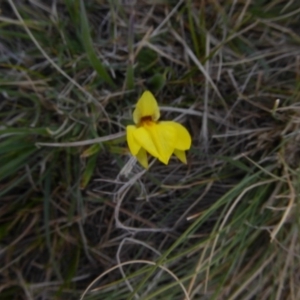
[80,219]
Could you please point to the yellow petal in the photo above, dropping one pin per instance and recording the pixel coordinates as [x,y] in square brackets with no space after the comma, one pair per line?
[180,155]
[146,107]
[134,147]
[184,140]
[142,158]
[164,137]
[144,139]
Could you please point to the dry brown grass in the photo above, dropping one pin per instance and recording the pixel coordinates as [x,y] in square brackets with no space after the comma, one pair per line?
[74,205]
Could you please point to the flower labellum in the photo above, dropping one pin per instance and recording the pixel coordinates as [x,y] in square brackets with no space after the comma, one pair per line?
[159,138]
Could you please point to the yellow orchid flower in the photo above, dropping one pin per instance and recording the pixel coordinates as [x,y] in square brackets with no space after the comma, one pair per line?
[159,138]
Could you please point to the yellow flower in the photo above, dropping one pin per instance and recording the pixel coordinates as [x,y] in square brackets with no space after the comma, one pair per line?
[160,139]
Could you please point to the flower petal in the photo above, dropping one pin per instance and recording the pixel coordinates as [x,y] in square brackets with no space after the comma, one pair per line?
[164,137]
[143,138]
[180,155]
[142,158]
[134,147]
[146,107]
[184,139]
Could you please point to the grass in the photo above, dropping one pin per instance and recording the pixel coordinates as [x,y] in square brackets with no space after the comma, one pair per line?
[80,220]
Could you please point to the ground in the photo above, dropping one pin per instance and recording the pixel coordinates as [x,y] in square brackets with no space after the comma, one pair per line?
[81,219]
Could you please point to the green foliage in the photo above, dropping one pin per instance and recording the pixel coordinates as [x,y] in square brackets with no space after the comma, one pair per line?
[88,46]
[225,226]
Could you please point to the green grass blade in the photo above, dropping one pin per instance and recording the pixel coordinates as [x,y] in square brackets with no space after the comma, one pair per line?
[88,46]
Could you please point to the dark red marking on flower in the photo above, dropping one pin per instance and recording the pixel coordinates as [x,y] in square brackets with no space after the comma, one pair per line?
[146,119]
